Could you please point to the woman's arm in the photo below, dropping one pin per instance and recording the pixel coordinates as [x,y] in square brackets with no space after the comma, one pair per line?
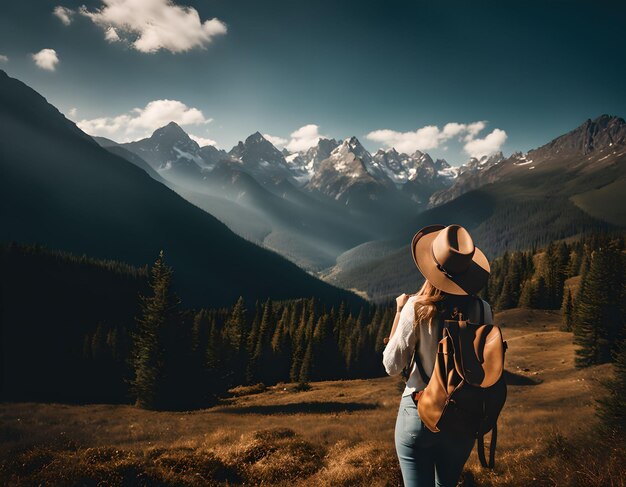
[393,327]
[401,340]
[400,302]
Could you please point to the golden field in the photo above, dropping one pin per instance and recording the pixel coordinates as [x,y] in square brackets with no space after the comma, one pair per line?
[336,433]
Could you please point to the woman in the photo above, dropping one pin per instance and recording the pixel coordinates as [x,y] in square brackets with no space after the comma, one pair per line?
[454,271]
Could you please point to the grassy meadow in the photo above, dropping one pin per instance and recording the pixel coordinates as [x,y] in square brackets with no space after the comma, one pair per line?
[335,433]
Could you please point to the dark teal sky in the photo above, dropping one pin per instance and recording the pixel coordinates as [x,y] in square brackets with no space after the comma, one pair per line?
[532,69]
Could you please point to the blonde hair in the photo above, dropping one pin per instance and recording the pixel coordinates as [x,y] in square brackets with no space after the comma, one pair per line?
[425,304]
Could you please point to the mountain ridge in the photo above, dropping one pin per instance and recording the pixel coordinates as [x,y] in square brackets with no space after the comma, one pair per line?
[91,201]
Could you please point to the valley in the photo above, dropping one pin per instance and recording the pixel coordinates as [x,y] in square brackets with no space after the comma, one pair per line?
[328,208]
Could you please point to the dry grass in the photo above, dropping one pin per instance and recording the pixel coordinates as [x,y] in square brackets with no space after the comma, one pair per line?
[336,433]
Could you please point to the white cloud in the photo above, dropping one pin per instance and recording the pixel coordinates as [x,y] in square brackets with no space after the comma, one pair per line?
[491,143]
[202,141]
[453,128]
[473,129]
[46,59]
[73,112]
[275,140]
[64,14]
[425,138]
[151,25]
[110,35]
[141,122]
[4,59]
[304,138]
[431,137]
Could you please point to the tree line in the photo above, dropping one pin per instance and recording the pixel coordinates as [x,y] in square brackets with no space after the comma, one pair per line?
[74,329]
[182,358]
[585,280]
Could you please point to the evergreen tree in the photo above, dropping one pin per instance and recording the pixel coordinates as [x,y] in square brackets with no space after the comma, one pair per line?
[528,298]
[506,300]
[299,346]
[306,370]
[573,267]
[599,318]
[281,347]
[260,364]
[235,343]
[158,312]
[612,408]
[567,311]
[98,343]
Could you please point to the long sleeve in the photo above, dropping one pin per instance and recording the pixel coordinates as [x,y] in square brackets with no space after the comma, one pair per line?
[398,351]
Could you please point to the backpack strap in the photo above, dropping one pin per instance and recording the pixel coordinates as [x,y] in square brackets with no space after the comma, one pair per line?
[415,360]
[492,448]
[481,305]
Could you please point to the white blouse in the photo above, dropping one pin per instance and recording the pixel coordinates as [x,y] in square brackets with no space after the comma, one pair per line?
[399,349]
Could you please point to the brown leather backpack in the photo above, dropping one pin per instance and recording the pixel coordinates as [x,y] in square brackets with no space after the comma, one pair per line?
[466,391]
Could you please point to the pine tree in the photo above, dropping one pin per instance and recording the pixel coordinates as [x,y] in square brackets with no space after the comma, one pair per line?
[158,311]
[306,370]
[506,300]
[612,408]
[98,343]
[573,268]
[528,297]
[598,311]
[235,352]
[281,347]
[299,346]
[567,311]
[260,366]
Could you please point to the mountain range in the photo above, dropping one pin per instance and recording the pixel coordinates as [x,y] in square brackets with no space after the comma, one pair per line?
[309,206]
[552,192]
[570,186]
[59,188]
[335,209]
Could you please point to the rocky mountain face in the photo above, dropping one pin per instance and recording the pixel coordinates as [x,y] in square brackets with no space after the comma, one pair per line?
[362,180]
[305,164]
[342,171]
[594,143]
[471,175]
[261,159]
[401,168]
[604,132]
[174,155]
[344,176]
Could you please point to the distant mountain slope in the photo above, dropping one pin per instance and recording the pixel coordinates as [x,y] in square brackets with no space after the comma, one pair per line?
[58,187]
[309,232]
[563,165]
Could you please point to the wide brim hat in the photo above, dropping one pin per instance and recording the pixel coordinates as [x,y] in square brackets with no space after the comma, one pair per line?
[448,258]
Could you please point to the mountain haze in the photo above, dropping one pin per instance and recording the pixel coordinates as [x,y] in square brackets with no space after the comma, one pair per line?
[61,189]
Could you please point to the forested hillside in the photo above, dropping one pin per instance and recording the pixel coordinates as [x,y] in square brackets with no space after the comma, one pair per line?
[585,279]
[84,330]
[72,329]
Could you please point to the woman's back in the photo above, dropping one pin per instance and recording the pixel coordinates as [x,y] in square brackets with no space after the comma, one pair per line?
[400,348]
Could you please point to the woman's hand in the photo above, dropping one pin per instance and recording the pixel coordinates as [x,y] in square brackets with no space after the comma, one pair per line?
[401,301]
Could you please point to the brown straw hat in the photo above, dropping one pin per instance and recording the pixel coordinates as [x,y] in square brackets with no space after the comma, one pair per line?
[447,257]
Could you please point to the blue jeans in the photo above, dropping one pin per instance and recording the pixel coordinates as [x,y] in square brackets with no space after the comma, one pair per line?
[428,459]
